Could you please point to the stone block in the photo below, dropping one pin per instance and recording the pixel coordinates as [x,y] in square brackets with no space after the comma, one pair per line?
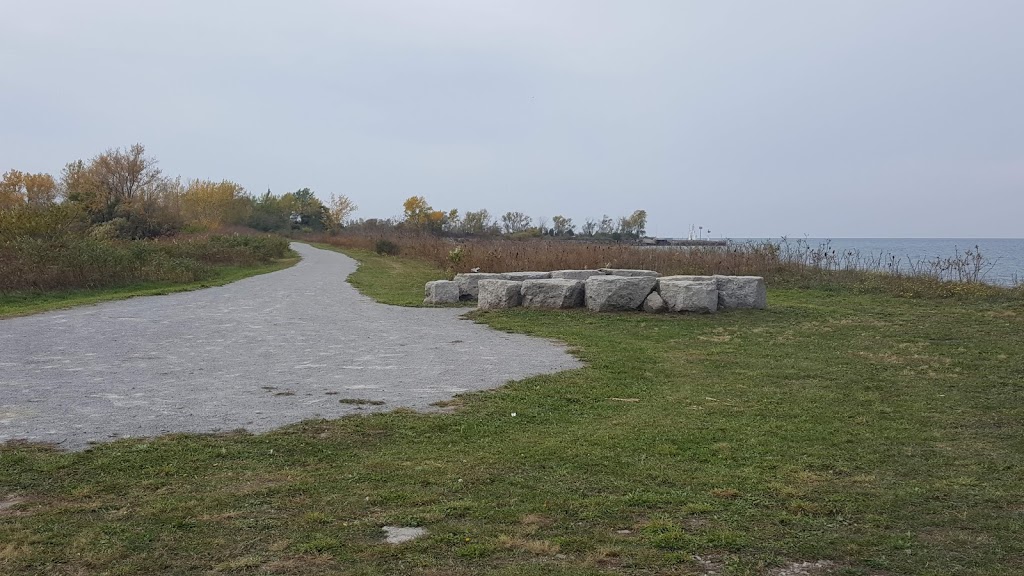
[689,295]
[441,292]
[615,293]
[629,273]
[576,274]
[553,293]
[467,282]
[742,292]
[495,294]
[690,278]
[654,304]
[521,276]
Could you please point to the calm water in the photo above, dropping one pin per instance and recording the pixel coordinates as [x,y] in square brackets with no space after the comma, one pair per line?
[1004,257]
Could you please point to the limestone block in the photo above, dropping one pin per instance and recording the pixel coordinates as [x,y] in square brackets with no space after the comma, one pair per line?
[689,278]
[441,292]
[553,293]
[689,295]
[468,289]
[655,304]
[742,292]
[611,293]
[495,294]
[630,273]
[576,274]
[521,276]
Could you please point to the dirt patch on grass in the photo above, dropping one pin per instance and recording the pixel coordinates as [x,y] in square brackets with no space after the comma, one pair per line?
[536,547]
[9,505]
[255,483]
[818,568]
[605,558]
[536,520]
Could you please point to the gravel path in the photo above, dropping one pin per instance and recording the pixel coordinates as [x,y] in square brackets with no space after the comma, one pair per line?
[257,354]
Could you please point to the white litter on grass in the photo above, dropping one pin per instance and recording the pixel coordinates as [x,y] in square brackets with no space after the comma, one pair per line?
[400,534]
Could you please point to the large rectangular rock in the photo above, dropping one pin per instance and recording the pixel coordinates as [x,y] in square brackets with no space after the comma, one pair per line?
[522,276]
[576,274]
[742,292]
[629,273]
[689,295]
[685,278]
[468,283]
[553,293]
[689,278]
[616,293]
[441,292]
[496,294]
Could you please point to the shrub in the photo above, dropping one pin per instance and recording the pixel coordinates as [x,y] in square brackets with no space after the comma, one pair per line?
[65,257]
[386,248]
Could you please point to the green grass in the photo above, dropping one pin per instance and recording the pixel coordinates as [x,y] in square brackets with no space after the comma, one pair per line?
[22,303]
[883,434]
[390,279]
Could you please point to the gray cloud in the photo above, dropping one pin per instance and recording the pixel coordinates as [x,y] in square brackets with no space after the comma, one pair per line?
[870,118]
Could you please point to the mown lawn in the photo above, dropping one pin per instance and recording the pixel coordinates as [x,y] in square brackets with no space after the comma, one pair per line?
[388,279]
[885,435]
[19,304]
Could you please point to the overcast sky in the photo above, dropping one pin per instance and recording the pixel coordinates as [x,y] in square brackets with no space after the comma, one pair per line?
[853,118]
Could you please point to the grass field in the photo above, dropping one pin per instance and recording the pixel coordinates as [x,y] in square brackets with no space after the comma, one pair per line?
[884,435]
[21,303]
[391,280]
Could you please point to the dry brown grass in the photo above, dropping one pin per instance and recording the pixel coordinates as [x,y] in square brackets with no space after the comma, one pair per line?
[536,547]
[303,564]
[785,263]
[506,255]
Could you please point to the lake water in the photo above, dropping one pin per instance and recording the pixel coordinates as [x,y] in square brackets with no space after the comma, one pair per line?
[1004,257]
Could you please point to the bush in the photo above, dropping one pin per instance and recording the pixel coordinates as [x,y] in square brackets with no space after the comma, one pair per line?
[34,222]
[386,248]
[96,258]
[235,249]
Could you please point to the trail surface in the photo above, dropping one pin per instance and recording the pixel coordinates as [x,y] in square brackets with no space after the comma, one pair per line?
[256,354]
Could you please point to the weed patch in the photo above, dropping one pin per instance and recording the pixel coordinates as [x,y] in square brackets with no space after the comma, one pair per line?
[361,402]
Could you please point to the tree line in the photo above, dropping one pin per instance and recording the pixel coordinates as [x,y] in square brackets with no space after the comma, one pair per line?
[123,193]
[418,214]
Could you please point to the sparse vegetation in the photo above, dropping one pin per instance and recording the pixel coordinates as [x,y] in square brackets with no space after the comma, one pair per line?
[361,402]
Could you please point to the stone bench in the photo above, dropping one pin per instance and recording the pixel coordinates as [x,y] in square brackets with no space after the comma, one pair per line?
[606,289]
[497,294]
[617,293]
[553,293]
[689,295]
[441,292]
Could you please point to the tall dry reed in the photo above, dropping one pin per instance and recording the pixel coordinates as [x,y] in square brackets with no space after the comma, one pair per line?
[782,263]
